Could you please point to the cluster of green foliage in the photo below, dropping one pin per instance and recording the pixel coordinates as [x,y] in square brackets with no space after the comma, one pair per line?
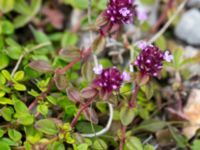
[28,60]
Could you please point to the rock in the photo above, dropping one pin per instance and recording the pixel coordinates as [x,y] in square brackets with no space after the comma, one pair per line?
[192,111]
[188,27]
[194,3]
[192,52]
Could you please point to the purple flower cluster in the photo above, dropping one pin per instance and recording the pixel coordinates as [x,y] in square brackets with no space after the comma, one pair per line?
[120,11]
[110,79]
[150,60]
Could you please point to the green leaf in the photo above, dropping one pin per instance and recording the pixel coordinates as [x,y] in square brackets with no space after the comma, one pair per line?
[133,143]
[151,125]
[19,87]
[195,145]
[7,27]
[32,135]
[1,132]
[19,75]
[28,12]
[2,93]
[6,74]
[80,4]
[2,79]
[161,42]
[14,135]
[4,101]
[85,127]
[20,107]
[148,2]
[180,140]
[43,109]
[20,21]
[6,5]
[47,126]
[83,146]
[22,7]
[69,39]
[41,37]
[4,146]
[56,146]
[126,115]
[27,145]
[25,119]
[8,141]
[14,52]
[149,147]
[177,54]
[4,61]
[7,113]
[99,144]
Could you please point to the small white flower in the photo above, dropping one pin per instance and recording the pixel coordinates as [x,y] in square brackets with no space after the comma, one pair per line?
[168,57]
[126,76]
[98,69]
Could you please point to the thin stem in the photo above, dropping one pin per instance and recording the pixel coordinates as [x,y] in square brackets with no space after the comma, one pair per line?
[63,70]
[25,53]
[42,95]
[159,33]
[163,16]
[123,137]
[83,107]
[91,36]
[132,102]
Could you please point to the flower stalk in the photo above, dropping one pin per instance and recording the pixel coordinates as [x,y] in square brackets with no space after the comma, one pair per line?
[83,107]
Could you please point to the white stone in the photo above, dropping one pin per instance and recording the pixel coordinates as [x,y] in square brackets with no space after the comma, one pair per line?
[188,27]
[194,3]
[191,110]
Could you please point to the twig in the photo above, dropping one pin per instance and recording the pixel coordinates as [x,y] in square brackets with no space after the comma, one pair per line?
[80,111]
[25,53]
[162,16]
[42,95]
[122,139]
[132,102]
[104,130]
[63,70]
[91,36]
[164,28]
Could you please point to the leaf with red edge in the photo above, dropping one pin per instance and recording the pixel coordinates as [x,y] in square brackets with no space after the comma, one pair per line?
[41,66]
[60,81]
[73,94]
[91,115]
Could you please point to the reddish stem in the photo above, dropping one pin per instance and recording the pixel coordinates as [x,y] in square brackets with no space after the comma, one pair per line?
[123,137]
[133,101]
[63,70]
[85,53]
[83,107]
[163,16]
[42,95]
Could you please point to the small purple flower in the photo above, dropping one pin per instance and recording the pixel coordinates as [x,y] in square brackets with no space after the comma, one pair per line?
[141,44]
[150,60]
[126,76]
[98,69]
[168,57]
[110,79]
[120,11]
[142,15]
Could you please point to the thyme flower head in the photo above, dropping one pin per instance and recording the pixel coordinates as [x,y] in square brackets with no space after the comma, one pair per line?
[150,60]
